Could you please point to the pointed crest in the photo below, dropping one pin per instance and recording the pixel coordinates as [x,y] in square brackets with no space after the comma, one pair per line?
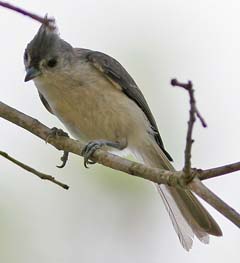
[49,24]
[45,42]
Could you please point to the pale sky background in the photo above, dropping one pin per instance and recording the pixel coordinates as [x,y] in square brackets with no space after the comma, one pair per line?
[107,216]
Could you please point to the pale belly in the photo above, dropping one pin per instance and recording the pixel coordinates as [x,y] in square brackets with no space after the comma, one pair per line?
[96,111]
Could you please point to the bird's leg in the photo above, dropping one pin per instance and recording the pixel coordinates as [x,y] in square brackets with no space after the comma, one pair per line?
[55,132]
[92,146]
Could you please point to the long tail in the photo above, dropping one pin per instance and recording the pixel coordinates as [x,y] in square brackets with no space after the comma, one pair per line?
[188,216]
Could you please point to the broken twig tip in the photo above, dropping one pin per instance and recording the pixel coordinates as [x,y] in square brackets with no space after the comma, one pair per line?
[186,86]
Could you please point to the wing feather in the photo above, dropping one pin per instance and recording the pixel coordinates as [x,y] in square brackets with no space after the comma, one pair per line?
[116,72]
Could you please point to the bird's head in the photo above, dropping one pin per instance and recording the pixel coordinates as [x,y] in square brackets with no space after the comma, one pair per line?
[46,53]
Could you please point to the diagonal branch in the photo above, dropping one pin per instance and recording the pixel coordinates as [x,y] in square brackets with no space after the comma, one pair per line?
[160,176]
[33,171]
[47,21]
[206,194]
[218,171]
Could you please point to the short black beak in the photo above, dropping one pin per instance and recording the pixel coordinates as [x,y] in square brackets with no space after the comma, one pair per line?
[32,73]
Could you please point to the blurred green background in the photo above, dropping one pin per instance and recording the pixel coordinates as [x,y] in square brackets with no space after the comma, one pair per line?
[107,216]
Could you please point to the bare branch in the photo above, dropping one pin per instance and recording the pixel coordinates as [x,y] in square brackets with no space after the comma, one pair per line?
[188,87]
[218,171]
[33,171]
[188,176]
[76,147]
[44,20]
[160,176]
[192,112]
[202,191]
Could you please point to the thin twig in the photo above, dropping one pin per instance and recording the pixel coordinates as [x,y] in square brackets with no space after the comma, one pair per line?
[44,20]
[188,175]
[218,171]
[188,87]
[192,112]
[189,140]
[33,171]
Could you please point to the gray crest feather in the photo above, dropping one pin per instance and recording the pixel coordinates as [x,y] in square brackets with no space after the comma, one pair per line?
[46,43]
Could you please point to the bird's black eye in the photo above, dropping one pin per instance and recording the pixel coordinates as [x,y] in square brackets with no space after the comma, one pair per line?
[26,56]
[52,62]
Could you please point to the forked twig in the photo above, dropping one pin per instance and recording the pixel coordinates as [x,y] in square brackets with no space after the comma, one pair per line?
[193,112]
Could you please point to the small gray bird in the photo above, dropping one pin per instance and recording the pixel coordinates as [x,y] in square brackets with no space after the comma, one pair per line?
[100,104]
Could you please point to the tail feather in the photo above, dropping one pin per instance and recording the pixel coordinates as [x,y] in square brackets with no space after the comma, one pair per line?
[183,230]
[188,216]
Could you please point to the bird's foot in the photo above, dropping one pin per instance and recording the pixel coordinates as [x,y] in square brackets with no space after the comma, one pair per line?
[63,159]
[92,146]
[55,132]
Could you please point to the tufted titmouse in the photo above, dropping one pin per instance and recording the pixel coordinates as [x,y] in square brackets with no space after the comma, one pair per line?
[99,103]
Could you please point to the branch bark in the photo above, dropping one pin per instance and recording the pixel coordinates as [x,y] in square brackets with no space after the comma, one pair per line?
[193,112]
[47,21]
[33,171]
[160,176]
[206,194]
